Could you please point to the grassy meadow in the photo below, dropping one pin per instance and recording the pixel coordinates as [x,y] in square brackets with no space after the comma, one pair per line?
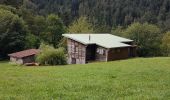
[133,79]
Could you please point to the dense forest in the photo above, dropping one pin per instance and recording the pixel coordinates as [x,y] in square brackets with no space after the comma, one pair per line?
[28,23]
[110,13]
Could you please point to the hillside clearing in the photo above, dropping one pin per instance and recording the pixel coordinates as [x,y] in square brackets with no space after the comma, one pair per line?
[141,78]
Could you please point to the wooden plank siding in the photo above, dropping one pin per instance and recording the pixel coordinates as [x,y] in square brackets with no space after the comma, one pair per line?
[76,52]
[29,59]
[79,53]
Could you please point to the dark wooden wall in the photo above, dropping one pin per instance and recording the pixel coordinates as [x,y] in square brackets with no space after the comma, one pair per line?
[118,53]
[29,59]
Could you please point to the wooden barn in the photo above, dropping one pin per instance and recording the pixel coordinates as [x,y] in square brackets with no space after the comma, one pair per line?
[24,57]
[84,48]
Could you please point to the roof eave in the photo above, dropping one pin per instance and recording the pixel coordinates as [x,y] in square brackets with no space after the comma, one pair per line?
[119,47]
[20,57]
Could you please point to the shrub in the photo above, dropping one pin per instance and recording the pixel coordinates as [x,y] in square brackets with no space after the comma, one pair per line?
[166,44]
[51,56]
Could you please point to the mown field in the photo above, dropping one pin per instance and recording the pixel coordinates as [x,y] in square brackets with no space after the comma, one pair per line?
[134,79]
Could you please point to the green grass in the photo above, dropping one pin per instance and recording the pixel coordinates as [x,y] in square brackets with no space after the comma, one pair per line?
[141,78]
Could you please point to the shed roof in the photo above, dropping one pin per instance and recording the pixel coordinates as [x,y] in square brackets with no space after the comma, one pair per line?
[24,53]
[105,40]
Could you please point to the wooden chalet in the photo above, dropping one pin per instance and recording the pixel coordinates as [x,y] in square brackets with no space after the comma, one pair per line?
[84,48]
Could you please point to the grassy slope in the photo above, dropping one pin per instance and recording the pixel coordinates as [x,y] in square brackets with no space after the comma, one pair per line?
[147,78]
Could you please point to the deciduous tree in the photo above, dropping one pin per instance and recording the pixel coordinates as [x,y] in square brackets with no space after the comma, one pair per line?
[81,26]
[12,33]
[147,37]
[55,29]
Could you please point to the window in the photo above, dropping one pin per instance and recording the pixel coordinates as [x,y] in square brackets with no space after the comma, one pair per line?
[101,51]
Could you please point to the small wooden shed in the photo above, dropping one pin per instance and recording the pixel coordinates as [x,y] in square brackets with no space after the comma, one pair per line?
[84,48]
[23,57]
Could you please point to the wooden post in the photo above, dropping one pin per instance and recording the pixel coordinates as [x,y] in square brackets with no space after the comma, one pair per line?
[107,53]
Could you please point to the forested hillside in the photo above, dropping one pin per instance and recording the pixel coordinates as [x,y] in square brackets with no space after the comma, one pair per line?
[108,12]
[37,21]
[103,12]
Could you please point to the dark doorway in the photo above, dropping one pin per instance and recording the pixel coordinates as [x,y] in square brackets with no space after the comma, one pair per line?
[91,52]
[73,60]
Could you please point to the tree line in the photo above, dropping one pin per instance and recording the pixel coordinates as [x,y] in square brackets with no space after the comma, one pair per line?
[102,13]
[107,13]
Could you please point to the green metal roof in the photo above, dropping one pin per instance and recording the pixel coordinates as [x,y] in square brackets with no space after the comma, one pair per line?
[104,40]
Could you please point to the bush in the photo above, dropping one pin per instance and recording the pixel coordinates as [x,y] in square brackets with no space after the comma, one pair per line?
[51,56]
[166,44]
